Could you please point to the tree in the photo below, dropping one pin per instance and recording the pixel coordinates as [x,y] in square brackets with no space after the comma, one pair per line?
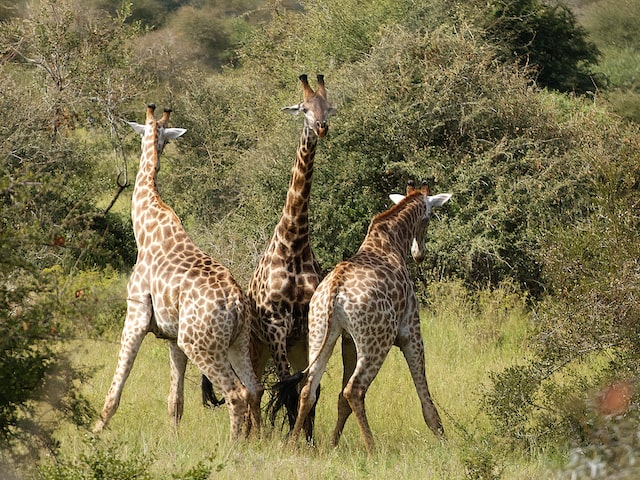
[544,36]
[65,76]
[587,329]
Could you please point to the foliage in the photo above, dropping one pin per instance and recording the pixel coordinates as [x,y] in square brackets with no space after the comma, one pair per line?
[586,332]
[545,184]
[34,371]
[612,24]
[438,107]
[433,105]
[547,37]
[608,450]
[51,228]
[100,463]
[26,356]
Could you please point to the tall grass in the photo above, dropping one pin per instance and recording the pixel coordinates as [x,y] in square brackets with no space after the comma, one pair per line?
[466,337]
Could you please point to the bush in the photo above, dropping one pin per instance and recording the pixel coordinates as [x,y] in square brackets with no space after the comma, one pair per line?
[587,330]
[100,463]
[546,37]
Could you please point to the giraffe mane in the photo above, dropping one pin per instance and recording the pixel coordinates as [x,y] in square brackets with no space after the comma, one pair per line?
[380,217]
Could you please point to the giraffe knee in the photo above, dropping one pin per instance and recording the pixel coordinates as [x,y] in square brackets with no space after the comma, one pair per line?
[255,397]
[307,395]
[353,394]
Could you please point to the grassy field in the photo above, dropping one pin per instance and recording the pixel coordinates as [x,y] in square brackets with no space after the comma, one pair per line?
[466,338]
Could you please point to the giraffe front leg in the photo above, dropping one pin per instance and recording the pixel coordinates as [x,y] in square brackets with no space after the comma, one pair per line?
[134,331]
[413,350]
[175,401]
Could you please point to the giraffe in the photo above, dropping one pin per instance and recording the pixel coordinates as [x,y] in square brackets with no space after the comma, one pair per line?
[370,300]
[180,294]
[288,273]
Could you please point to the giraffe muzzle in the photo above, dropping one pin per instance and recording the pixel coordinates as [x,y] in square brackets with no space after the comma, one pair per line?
[322,128]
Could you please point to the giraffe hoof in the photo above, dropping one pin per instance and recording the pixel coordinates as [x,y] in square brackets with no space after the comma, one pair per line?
[98,426]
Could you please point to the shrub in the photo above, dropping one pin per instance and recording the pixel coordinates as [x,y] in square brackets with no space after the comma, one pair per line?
[587,330]
[544,36]
[100,463]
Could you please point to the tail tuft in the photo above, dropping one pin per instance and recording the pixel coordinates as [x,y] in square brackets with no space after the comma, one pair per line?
[209,399]
[285,394]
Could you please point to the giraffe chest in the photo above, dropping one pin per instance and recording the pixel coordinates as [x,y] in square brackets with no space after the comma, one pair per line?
[285,282]
[280,293]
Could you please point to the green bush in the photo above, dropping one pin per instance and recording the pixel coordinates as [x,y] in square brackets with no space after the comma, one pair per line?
[587,329]
[545,37]
[100,463]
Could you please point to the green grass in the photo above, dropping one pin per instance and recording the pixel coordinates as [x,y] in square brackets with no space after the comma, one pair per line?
[466,338]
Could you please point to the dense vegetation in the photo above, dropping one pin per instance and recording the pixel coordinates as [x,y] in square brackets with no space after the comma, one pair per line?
[520,110]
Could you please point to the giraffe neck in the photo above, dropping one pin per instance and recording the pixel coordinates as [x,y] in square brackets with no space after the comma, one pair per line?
[393,231]
[295,214]
[145,193]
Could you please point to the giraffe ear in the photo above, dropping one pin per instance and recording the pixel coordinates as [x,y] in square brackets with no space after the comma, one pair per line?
[439,200]
[293,109]
[396,198]
[173,133]
[139,129]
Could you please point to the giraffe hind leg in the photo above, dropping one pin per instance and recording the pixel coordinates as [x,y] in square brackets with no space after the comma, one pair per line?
[217,368]
[349,365]
[367,367]
[242,366]
[299,355]
[236,396]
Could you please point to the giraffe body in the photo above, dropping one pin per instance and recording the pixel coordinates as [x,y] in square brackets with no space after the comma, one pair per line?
[179,293]
[370,301]
[288,273]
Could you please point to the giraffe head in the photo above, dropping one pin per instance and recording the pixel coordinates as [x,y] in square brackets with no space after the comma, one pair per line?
[164,134]
[315,107]
[418,246]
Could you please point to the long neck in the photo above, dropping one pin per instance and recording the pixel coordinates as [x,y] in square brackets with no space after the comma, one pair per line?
[393,231]
[295,214]
[145,194]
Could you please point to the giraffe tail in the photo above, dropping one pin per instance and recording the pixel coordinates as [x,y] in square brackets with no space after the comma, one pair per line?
[209,399]
[285,395]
